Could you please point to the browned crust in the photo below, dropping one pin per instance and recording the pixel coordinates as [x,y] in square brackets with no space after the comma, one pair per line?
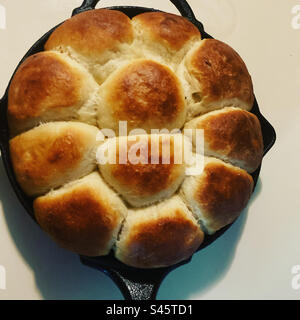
[169,29]
[146,91]
[163,241]
[78,220]
[145,178]
[42,82]
[236,134]
[223,193]
[221,72]
[37,160]
[92,32]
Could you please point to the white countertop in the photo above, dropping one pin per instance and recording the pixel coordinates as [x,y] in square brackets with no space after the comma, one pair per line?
[254,259]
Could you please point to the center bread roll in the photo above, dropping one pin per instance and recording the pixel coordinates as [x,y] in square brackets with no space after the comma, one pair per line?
[146,94]
[147,169]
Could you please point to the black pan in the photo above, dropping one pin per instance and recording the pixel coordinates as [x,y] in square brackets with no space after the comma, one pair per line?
[135,284]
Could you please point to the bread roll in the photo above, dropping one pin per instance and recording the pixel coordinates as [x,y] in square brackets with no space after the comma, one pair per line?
[215,76]
[218,195]
[47,87]
[164,36]
[99,39]
[83,216]
[159,236]
[135,177]
[146,94]
[53,154]
[233,135]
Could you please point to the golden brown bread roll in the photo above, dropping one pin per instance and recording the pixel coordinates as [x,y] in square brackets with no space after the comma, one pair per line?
[53,154]
[164,36]
[138,180]
[146,94]
[49,86]
[214,77]
[84,216]
[159,236]
[218,195]
[233,135]
[96,38]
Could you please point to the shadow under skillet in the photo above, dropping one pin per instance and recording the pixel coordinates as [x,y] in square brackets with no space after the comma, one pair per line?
[208,266]
[59,274]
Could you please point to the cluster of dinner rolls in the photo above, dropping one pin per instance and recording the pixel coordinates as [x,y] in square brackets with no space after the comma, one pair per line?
[101,69]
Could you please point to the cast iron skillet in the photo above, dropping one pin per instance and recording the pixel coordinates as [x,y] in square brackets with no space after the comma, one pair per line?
[135,284]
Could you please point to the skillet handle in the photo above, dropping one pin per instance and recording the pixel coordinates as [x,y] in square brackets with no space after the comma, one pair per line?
[143,287]
[182,6]
[137,284]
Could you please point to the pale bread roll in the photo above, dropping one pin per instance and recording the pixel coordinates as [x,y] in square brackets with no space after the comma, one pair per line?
[99,39]
[164,37]
[218,195]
